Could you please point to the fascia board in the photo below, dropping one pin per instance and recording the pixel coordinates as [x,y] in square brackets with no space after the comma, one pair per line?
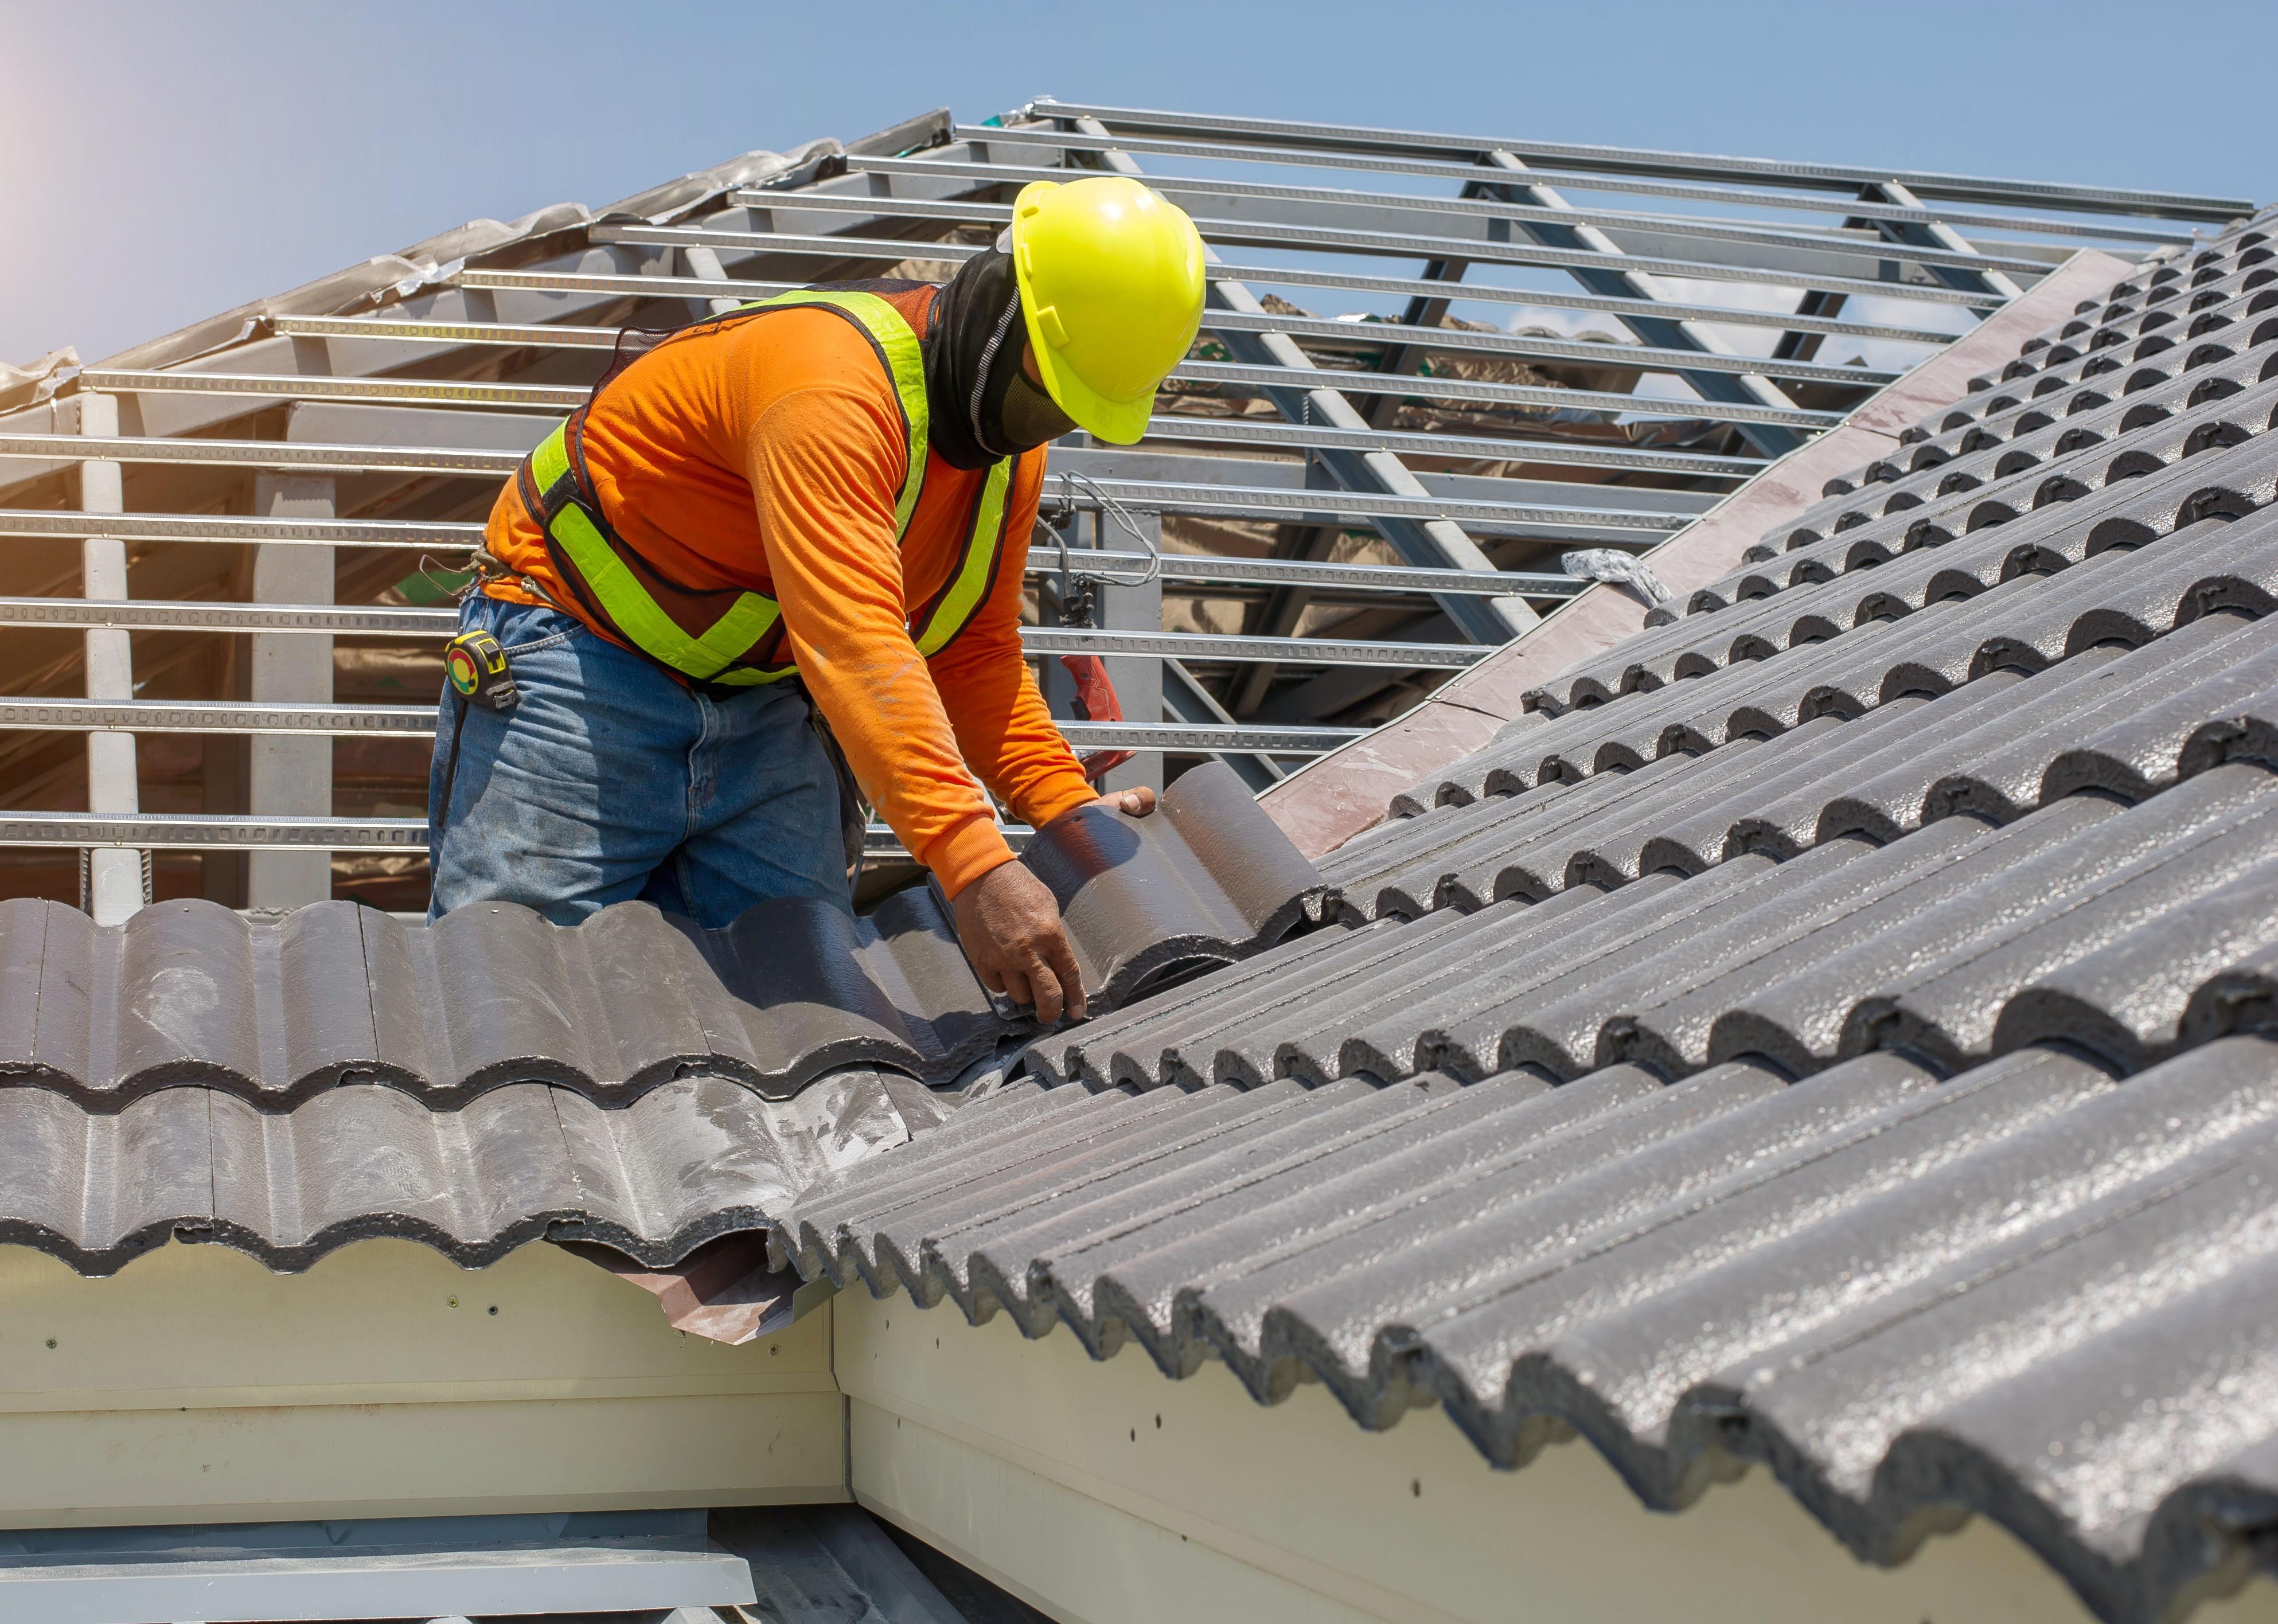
[1047,1471]
[198,1386]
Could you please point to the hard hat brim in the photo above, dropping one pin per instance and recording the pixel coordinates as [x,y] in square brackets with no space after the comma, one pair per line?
[1119,423]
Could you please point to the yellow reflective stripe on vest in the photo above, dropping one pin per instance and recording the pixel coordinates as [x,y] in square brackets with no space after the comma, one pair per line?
[963,598]
[712,656]
[752,676]
[905,355]
[551,459]
[749,618]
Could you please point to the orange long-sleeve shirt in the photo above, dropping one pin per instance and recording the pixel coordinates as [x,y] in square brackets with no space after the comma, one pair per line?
[766,455]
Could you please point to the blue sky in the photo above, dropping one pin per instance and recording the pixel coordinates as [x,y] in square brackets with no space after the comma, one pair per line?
[162,161]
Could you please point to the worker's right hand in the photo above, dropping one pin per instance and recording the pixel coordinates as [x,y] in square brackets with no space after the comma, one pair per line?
[1010,928]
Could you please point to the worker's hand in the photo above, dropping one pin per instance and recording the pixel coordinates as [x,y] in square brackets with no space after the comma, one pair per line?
[1138,803]
[1010,928]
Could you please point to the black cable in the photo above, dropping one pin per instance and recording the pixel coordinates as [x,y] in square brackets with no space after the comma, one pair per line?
[450,767]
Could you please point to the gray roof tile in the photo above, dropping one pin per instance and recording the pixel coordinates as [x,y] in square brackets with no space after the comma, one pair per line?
[1860,977]
[1984,456]
[693,1158]
[2213,484]
[491,995]
[1206,880]
[1897,1290]
[188,992]
[288,1086]
[1998,746]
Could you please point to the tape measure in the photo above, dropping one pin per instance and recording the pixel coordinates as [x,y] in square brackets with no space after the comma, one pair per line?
[477,666]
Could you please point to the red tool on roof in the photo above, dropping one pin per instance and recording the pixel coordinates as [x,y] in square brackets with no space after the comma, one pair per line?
[1095,701]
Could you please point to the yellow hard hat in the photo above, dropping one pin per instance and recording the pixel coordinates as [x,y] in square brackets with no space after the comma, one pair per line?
[1111,280]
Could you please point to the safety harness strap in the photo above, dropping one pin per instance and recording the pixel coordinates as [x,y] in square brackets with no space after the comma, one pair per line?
[961,596]
[728,636]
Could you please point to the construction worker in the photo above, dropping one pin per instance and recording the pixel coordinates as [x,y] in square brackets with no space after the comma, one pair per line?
[789,541]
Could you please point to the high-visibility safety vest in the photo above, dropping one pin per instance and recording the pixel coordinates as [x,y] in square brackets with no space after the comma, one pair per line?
[725,635]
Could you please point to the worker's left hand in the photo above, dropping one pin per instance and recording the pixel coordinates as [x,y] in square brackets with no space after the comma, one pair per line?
[1136,803]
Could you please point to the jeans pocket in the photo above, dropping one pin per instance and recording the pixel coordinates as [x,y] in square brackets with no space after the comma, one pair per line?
[550,640]
[523,628]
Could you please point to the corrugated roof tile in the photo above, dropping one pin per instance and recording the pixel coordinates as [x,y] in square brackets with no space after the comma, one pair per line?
[1861,975]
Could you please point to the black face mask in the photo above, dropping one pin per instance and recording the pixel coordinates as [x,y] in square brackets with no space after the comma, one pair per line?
[1031,416]
[981,406]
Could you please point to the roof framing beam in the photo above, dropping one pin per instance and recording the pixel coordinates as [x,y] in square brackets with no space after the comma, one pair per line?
[1641,524]
[1438,544]
[229,831]
[413,537]
[1288,366]
[419,722]
[1224,432]
[1989,279]
[1640,160]
[1385,211]
[409,457]
[1247,152]
[27,711]
[1304,239]
[1578,352]
[1754,390]
[1185,698]
[1283,276]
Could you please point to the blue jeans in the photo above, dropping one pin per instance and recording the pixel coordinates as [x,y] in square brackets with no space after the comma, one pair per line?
[610,780]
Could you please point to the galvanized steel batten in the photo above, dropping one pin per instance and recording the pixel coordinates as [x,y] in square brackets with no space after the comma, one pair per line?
[1680,225]
[419,722]
[1299,237]
[1449,339]
[1055,139]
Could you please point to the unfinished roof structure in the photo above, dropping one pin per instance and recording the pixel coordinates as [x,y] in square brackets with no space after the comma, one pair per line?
[1799,1003]
[1427,376]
